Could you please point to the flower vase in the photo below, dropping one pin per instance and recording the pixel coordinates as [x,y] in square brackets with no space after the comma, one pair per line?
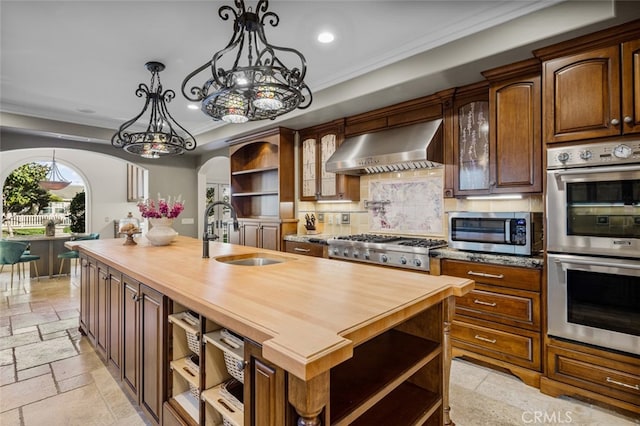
[161,232]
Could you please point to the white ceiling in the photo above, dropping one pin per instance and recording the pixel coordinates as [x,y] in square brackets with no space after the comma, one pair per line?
[81,61]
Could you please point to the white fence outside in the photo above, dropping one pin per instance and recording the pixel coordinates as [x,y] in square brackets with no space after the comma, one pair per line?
[38,220]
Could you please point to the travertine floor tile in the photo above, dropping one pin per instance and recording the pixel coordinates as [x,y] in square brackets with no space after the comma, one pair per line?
[7,374]
[34,354]
[34,372]
[82,406]
[6,356]
[468,375]
[32,318]
[19,340]
[10,418]
[61,325]
[27,391]
[76,365]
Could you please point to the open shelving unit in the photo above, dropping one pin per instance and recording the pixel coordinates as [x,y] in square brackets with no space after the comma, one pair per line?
[393,378]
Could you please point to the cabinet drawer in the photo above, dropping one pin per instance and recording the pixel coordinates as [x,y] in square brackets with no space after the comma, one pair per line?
[595,373]
[308,249]
[504,276]
[521,349]
[512,307]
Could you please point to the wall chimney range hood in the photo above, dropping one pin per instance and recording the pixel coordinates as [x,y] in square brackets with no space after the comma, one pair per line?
[417,146]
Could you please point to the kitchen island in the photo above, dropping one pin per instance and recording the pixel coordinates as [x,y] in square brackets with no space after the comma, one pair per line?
[354,342]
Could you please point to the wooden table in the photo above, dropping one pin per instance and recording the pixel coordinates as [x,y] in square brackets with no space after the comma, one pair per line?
[48,248]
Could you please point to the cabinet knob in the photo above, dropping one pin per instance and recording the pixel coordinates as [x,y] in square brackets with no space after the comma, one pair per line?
[628,119]
[615,121]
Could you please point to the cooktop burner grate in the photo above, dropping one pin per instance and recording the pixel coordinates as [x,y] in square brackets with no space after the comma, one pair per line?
[370,238]
[423,242]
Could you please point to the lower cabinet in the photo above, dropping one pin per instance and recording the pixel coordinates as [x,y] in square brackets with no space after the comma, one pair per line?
[579,370]
[308,249]
[266,234]
[265,391]
[143,355]
[499,322]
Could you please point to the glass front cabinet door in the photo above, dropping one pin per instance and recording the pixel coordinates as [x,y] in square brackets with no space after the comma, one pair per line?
[317,144]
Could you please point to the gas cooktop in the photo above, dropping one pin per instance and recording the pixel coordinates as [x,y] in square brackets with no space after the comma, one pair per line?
[390,250]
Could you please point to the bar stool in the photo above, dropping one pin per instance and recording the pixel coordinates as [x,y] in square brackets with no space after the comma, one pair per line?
[10,253]
[27,258]
[73,254]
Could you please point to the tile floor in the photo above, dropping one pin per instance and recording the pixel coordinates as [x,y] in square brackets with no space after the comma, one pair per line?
[50,375]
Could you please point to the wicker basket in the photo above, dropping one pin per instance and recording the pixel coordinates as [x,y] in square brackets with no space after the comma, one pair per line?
[193,339]
[235,366]
[196,369]
[232,390]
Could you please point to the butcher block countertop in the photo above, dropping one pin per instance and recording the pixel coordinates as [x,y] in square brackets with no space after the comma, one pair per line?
[307,313]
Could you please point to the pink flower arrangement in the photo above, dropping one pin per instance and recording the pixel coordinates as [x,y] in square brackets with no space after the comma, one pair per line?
[161,208]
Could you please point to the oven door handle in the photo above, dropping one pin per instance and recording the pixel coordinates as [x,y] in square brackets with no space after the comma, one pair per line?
[605,169]
[594,263]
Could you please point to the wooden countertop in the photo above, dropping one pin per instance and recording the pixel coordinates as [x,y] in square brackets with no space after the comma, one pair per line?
[307,313]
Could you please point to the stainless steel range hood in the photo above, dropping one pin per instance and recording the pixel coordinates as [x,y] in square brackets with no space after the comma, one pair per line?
[417,146]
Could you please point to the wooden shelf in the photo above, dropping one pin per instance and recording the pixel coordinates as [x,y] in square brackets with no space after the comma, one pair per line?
[182,320]
[376,369]
[181,367]
[223,406]
[408,404]
[249,171]
[190,404]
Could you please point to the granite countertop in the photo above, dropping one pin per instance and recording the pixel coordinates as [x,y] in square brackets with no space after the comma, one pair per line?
[536,261]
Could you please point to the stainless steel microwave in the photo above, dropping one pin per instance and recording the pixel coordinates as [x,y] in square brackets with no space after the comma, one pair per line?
[512,233]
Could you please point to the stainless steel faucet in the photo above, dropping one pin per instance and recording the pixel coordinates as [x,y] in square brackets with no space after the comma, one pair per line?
[211,236]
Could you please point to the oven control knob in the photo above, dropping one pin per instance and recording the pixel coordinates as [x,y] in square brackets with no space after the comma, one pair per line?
[403,260]
[417,262]
[384,258]
[586,155]
[345,253]
[355,254]
[336,252]
[367,256]
[622,151]
[563,157]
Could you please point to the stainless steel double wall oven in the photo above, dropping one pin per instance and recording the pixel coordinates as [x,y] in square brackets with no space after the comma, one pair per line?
[593,244]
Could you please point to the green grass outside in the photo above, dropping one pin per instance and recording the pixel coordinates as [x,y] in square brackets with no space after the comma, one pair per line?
[29,231]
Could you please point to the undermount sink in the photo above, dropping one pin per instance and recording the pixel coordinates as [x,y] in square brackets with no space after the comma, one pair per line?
[252,259]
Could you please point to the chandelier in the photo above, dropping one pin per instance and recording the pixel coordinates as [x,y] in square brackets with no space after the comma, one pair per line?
[54,179]
[256,85]
[160,138]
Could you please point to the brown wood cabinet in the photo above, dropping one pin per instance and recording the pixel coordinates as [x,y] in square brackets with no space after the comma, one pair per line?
[499,322]
[262,188]
[317,144]
[85,311]
[114,322]
[144,317]
[308,249]
[515,143]
[591,85]
[102,309]
[471,140]
[264,391]
[595,374]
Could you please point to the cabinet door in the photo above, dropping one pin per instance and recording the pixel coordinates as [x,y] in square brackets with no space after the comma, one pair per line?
[130,336]
[270,236]
[516,148]
[84,295]
[250,234]
[92,284]
[235,237]
[471,146]
[102,317]
[115,318]
[631,87]
[152,382]
[264,389]
[309,172]
[582,96]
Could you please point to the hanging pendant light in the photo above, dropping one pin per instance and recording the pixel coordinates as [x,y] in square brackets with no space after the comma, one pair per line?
[256,84]
[54,179]
[160,138]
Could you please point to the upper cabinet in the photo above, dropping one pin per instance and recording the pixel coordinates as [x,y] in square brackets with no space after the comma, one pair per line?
[515,142]
[471,140]
[317,144]
[262,175]
[591,86]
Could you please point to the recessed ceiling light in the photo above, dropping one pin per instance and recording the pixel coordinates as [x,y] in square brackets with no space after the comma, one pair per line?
[193,106]
[325,37]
